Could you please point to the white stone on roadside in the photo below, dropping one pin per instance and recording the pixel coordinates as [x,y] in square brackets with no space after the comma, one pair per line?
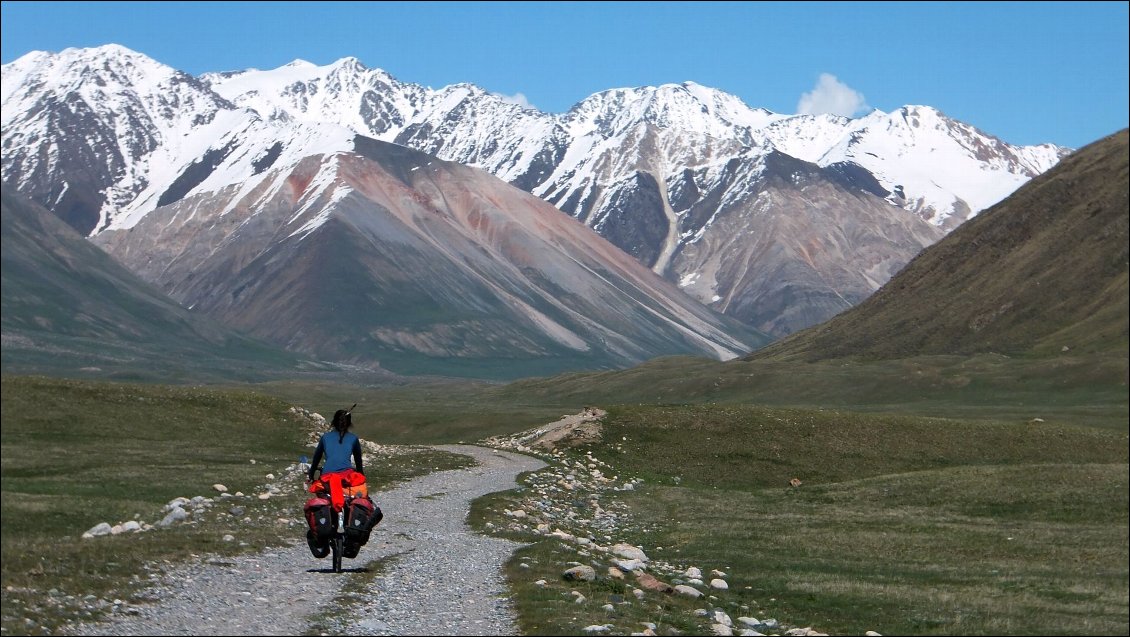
[683,589]
[582,573]
[752,622]
[219,487]
[264,496]
[719,584]
[694,581]
[116,529]
[608,608]
[630,552]
[132,525]
[177,514]
[638,593]
[872,633]
[253,461]
[102,528]
[717,573]
[629,566]
[693,573]
[176,503]
[541,583]
[721,629]
[720,617]
[229,537]
[615,573]
[749,632]
[594,628]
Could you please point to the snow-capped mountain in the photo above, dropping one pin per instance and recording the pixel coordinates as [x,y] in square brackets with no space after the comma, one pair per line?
[942,169]
[377,253]
[654,170]
[104,136]
[779,220]
[946,170]
[346,248]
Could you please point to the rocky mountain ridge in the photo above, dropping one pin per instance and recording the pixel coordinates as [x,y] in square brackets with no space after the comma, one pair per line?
[680,176]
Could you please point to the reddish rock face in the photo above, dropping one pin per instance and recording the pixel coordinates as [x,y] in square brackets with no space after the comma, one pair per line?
[390,257]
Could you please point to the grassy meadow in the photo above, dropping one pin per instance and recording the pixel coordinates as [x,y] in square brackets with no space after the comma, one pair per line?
[1005,516]
[901,524]
[78,453]
[915,475]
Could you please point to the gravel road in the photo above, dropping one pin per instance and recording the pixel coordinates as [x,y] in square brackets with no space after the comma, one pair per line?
[437,577]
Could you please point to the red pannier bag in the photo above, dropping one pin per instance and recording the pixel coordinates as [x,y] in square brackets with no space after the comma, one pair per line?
[363,516]
[320,518]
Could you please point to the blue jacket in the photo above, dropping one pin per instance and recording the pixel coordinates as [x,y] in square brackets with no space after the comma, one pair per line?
[337,450]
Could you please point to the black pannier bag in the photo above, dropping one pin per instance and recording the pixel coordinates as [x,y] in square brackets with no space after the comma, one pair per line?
[319,515]
[363,516]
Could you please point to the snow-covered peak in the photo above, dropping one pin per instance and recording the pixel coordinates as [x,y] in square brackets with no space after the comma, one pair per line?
[345,92]
[807,137]
[687,108]
[940,167]
[111,80]
[693,124]
[160,118]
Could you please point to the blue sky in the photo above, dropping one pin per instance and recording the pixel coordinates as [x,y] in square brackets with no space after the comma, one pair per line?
[1027,72]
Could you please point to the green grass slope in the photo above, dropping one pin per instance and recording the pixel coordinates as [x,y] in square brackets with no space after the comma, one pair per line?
[77,453]
[901,525]
[70,309]
[1040,273]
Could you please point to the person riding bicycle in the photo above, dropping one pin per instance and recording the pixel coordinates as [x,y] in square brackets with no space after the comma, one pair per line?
[348,507]
[338,447]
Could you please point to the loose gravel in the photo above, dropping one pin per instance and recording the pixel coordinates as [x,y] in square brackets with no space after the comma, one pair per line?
[433,574]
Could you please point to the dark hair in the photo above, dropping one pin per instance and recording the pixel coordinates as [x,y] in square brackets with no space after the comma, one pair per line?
[342,421]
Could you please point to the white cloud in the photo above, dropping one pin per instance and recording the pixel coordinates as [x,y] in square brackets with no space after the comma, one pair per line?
[518,99]
[832,96]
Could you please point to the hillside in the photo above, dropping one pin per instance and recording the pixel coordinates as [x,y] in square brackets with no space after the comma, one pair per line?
[778,221]
[1043,272]
[68,308]
[385,257]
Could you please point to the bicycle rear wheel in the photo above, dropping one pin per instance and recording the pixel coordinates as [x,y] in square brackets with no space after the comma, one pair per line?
[337,545]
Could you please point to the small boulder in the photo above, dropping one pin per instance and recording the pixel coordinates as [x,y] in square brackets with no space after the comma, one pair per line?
[102,528]
[651,583]
[582,573]
[630,552]
[689,591]
[177,514]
